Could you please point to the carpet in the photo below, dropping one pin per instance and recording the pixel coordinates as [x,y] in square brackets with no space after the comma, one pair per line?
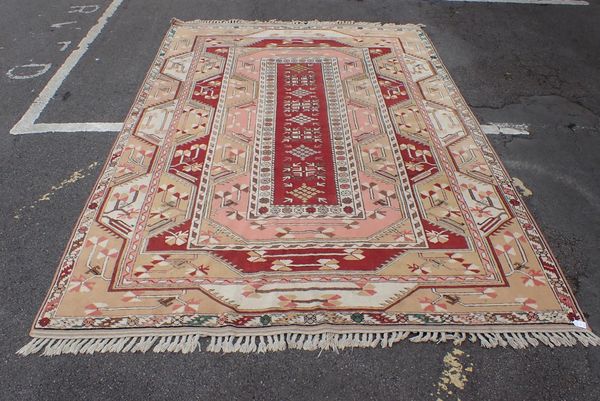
[303,185]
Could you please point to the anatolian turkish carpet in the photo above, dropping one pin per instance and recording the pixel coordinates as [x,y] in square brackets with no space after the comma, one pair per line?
[306,185]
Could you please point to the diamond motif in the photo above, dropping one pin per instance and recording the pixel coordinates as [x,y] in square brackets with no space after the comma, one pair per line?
[304,192]
[298,68]
[302,152]
[301,119]
[300,92]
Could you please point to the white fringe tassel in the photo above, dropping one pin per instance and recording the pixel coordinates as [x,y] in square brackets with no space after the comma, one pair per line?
[308,23]
[308,342]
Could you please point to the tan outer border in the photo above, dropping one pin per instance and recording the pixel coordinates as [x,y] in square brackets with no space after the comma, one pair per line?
[138,96]
[517,193]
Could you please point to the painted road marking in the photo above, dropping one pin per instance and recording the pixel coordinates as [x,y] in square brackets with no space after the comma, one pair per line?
[40,69]
[84,9]
[27,125]
[535,2]
[454,377]
[505,129]
[489,129]
[72,179]
[61,24]
[523,190]
[41,128]
[64,45]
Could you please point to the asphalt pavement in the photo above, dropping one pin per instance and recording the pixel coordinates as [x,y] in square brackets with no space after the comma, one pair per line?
[517,64]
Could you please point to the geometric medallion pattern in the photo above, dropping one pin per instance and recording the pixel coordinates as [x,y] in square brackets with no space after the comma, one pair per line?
[301,177]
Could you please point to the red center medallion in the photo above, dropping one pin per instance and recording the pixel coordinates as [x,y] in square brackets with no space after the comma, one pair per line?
[304,168]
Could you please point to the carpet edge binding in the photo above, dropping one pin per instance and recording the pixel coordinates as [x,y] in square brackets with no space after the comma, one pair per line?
[309,342]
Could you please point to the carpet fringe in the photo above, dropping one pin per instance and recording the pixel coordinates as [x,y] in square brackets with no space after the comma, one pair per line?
[306,23]
[309,342]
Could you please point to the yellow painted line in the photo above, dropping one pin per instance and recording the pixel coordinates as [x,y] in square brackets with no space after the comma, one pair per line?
[72,179]
[523,190]
[454,377]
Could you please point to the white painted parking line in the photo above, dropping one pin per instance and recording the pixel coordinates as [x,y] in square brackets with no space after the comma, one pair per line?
[27,123]
[505,129]
[489,129]
[538,2]
[73,127]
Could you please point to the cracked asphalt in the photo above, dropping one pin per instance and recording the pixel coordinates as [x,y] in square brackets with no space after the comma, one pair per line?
[523,64]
